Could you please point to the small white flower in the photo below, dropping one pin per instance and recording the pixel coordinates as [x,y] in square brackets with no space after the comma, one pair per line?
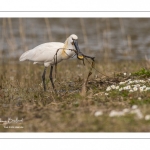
[127,87]
[120,89]
[139,98]
[144,86]
[106,94]
[142,81]
[114,113]
[117,87]
[137,112]
[124,88]
[113,87]
[108,88]
[130,82]
[136,81]
[124,74]
[147,88]
[147,117]
[126,110]
[134,107]
[122,83]
[131,91]
[141,89]
[137,85]
[98,113]
[135,89]
[96,94]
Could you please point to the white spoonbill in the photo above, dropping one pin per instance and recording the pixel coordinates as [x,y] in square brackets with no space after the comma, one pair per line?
[49,54]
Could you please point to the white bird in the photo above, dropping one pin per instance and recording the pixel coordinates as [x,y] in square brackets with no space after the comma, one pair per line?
[49,54]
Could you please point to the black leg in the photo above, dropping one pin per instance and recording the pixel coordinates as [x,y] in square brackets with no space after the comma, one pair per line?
[43,78]
[51,78]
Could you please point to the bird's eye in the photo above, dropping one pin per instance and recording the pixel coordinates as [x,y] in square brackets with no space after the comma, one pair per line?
[72,43]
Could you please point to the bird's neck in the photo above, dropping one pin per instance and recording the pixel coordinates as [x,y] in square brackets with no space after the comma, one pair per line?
[65,51]
[67,45]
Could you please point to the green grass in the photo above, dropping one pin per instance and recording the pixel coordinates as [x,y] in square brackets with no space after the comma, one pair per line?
[22,96]
[142,73]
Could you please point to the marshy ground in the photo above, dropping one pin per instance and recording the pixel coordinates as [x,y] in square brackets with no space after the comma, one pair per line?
[75,108]
[116,98]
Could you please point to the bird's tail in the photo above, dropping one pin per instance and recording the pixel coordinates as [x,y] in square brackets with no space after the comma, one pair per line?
[25,56]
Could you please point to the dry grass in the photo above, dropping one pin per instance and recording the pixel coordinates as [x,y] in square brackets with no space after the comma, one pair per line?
[22,96]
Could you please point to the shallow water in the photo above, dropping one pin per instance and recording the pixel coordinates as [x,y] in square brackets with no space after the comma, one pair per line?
[115,38]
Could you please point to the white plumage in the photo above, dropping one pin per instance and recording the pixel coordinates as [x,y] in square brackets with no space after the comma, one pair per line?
[46,54]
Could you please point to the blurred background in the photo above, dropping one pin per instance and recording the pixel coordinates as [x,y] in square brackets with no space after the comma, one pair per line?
[106,38]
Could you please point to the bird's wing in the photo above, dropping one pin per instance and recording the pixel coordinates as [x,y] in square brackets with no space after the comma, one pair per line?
[42,53]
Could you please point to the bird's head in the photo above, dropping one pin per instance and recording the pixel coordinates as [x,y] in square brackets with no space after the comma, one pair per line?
[74,41]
